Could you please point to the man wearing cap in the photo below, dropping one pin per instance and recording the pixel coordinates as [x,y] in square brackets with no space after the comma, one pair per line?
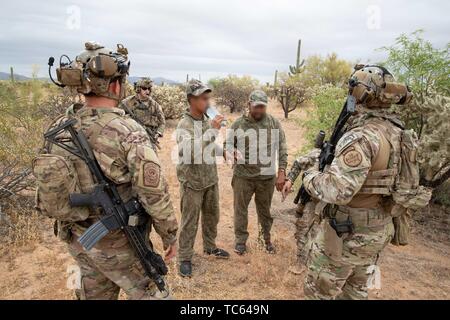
[260,138]
[197,173]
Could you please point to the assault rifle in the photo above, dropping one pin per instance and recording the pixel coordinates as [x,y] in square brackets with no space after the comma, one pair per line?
[327,148]
[130,217]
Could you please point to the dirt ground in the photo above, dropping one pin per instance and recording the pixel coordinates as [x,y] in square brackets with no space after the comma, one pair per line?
[420,270]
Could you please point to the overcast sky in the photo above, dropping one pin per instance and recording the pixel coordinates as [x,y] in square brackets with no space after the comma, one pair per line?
[212,38]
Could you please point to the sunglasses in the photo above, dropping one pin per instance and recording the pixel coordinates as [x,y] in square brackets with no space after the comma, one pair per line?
[145,89]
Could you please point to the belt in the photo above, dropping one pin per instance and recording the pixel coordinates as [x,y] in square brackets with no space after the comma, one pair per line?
[363,217]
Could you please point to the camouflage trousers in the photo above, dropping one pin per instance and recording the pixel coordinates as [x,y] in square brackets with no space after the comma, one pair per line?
[338,267]
[110,266]
[306,229]
[243,191]
[194,202]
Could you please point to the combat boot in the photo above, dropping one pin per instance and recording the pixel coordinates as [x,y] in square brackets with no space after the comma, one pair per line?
[270,248]
[240,248]
[185,269]
[218,253]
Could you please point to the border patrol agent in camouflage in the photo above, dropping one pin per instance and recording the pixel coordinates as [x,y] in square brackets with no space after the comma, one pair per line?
[124,152]
[126,157]
[145,109]
[355,189]
[255,179]
[199,190]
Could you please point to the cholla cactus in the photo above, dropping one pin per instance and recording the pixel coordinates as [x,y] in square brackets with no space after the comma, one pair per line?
[172,100]
[298,68]
[434,154]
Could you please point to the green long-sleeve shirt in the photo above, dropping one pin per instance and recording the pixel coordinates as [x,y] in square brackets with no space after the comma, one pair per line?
[196,152]
[261,144]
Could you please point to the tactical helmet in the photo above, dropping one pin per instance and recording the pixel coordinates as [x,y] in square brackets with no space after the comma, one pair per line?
[143,83]
[93,70]
[374,86]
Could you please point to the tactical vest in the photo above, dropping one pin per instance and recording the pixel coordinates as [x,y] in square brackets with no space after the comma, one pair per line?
[381,180]
[394,178]
[145,113]
[399,177]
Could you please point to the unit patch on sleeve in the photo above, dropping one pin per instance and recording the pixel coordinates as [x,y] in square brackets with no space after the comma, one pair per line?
[151,174]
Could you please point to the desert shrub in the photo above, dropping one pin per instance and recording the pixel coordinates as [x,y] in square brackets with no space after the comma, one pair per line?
[290,92]
[21,127]
[426,70]
[292,89]
[172,100]
[57,101]
[21,124]
[233,91]
[327,103]
[320,70]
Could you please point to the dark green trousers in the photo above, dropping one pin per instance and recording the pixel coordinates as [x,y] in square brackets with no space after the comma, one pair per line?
[243,191]
[194,202]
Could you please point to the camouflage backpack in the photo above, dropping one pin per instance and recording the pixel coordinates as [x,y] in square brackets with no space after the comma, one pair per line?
[407,193]
[401,179]
[59,173]
[57,176]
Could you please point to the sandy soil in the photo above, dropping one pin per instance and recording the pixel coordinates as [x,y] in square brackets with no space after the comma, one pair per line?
[420,270]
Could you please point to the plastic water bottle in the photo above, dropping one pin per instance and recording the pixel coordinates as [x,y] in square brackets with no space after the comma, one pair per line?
[212,112]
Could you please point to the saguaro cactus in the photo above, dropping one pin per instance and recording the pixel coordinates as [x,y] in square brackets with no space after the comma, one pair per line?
[11,70]
[275,80]
[298,68]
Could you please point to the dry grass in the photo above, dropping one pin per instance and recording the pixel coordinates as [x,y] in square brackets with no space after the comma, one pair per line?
[19,223]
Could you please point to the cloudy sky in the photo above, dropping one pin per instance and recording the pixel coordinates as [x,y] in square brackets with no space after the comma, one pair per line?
[213,38]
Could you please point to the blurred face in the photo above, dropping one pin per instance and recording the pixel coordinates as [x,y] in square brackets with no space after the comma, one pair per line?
[257,112]
[200,103]
[144,93]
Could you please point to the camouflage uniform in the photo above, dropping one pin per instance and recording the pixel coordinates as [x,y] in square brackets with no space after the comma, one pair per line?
[307,221]
[338,267]
[148,113]
[123,151]
[199,190]
[255,179]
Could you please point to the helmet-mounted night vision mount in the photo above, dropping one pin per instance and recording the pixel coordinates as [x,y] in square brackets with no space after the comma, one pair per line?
[93,70]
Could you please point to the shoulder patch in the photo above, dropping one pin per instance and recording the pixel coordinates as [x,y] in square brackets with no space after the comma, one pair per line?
[152,174]
[347,140]
[352,157]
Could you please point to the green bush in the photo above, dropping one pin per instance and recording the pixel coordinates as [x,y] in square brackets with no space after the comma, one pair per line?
[426,70]
[327,103]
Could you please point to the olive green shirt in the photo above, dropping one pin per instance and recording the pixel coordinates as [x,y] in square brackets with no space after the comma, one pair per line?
[196,167]
[247,135]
